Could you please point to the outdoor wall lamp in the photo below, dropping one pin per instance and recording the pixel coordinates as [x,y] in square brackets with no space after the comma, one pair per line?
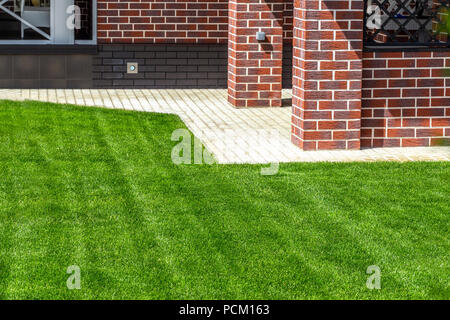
[260,36]
[132,67]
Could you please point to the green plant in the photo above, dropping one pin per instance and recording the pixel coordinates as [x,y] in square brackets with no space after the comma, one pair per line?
[444,28]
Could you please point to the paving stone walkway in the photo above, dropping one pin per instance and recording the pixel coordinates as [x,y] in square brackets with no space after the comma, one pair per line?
[259,135]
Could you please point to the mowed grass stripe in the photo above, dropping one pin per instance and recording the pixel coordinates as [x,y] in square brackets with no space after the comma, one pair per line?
[97,188]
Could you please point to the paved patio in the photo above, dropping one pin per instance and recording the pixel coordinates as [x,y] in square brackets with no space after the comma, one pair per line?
[260,135]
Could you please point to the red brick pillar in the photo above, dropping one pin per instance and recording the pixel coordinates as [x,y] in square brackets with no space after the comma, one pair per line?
[327,75]
[255,67]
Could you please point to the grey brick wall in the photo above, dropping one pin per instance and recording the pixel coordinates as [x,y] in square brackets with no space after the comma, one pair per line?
[34,71]
[287,66]
[169,66]
[161,66]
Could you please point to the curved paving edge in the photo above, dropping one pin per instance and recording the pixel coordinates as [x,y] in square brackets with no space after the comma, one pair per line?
[233,135]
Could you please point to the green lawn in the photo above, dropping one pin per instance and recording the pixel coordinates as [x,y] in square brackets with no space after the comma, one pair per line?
[96,188]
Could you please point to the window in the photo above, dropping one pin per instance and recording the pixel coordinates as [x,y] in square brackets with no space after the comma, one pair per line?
[406,23]
[62,22]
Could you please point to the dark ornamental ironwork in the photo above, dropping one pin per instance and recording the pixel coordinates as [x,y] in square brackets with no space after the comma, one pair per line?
[406,23]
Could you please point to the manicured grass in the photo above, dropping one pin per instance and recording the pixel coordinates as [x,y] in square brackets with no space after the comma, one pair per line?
[96,188]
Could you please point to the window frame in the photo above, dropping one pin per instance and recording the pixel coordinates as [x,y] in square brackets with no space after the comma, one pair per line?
[51,41]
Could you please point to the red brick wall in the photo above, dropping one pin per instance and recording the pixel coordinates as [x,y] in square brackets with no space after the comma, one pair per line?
[162,21]
[327,74]
[406,99]
[86,19]
[288,21]
[171,21]
[255,67]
